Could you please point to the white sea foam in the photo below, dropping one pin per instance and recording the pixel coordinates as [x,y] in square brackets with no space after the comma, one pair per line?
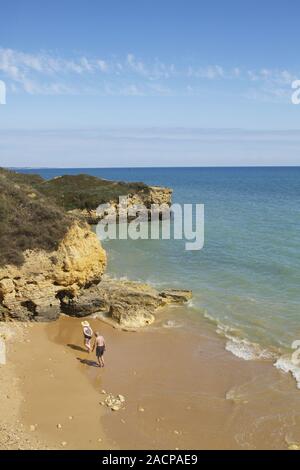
[252,351]
[285,364]
[172,324]
[222,329]
[112,277]
[248,351]
[209,317]
[238,346]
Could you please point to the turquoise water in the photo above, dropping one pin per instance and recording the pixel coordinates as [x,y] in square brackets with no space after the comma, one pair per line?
[246,278]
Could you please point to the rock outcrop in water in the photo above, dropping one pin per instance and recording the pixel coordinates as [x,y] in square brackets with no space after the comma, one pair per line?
[130,305]
[154,195]
[82,194]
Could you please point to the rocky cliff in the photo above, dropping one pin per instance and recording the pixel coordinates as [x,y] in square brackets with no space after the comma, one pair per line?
[82,194]
[42,252]
[52,263]
[33,290]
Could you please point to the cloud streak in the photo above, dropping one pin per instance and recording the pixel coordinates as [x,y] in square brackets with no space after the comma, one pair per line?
[45,73]
[148,147]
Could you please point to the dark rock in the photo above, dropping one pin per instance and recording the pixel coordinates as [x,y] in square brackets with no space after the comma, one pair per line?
[130,305]
[88,302]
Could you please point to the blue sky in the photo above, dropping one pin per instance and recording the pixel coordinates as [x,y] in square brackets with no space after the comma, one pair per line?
[82,77]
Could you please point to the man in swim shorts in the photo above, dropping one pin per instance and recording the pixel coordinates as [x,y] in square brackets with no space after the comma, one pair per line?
[100,348]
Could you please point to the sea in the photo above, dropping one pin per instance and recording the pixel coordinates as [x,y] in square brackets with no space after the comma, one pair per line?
[246,278]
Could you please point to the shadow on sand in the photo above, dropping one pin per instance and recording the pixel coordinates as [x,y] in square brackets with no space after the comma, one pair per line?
[87,362]
[76,348]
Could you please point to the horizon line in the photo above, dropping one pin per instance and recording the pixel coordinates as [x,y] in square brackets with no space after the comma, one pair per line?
[142,167]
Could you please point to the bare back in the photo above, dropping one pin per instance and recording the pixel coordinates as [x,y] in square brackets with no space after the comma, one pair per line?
[100,341]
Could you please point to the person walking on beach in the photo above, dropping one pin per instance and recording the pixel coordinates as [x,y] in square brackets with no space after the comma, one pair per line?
[87,335]
[100,348]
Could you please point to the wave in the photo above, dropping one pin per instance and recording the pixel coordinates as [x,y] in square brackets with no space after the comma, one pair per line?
[251,351]
[124,278]
[286,364]
[238,345]
[248,351]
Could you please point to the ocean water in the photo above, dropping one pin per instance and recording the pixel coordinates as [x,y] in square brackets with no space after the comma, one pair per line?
[246,278]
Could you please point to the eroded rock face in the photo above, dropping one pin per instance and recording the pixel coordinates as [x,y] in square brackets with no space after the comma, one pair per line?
[130,305]
[153,195]
[32,291]
[69,280]
[176,295]
[147,197]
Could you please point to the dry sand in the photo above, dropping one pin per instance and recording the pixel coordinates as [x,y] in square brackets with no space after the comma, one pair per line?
[182,390]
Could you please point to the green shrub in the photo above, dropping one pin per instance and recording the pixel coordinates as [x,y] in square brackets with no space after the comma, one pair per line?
[28,220]
[85,191]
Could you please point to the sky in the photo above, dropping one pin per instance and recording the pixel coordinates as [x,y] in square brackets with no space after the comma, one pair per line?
[139,83]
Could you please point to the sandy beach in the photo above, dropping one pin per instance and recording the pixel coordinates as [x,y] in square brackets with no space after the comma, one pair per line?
[182,391]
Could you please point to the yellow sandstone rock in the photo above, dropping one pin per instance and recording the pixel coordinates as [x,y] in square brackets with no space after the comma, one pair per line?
[31,291]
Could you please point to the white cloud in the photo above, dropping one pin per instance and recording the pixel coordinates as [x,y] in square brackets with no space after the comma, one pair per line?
[86,65]
[103,66]
[154,71]
[209,72]
[46,73]
[136,65]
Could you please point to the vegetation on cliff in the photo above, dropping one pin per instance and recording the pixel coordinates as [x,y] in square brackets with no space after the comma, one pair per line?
[32,209]
[28,219]
[86,191]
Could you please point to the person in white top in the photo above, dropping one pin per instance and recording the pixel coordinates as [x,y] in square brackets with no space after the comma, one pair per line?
[87,335]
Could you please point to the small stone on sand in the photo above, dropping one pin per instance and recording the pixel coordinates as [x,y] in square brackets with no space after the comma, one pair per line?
[115,408]
[59,426]
[141,409]
[64,443]
[32,427]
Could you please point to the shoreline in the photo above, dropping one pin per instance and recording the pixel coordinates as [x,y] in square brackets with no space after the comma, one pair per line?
[199,397]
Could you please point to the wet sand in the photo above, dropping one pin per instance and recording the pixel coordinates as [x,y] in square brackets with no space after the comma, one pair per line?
[194,394]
